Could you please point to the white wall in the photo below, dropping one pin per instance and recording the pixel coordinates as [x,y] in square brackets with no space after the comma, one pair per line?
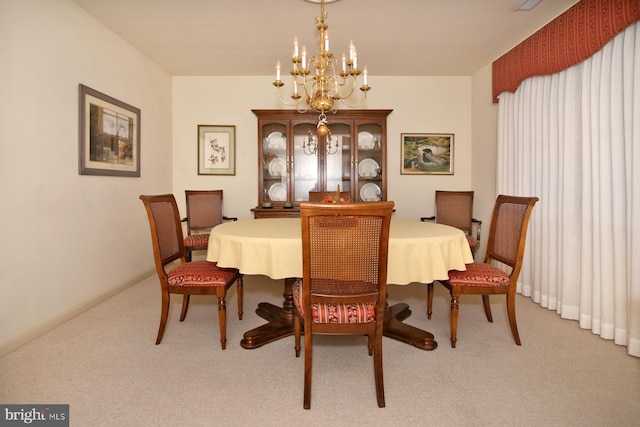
[68,239]
[419,104]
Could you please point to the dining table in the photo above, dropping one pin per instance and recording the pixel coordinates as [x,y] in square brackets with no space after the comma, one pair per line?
[419,252]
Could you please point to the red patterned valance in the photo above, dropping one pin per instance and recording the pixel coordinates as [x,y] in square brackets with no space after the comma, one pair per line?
[569,39]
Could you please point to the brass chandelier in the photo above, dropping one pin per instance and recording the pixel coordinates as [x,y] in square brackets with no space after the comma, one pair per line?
[319,82]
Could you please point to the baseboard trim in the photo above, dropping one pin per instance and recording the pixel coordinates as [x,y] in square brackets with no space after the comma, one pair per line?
[22,339]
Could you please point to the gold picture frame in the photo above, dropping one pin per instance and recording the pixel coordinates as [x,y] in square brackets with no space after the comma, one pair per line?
[427,154]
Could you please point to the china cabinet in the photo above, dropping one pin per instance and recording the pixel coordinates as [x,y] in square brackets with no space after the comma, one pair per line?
[293,159]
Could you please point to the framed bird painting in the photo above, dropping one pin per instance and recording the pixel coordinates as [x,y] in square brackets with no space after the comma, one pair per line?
[216,150]
[427,154]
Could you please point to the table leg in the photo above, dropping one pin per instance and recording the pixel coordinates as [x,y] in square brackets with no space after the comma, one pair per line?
[394,328]
[279,321]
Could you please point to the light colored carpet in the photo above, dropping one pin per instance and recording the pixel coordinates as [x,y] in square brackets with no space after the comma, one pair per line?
[105,365]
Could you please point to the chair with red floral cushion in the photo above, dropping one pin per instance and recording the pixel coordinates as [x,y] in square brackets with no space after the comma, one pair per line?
[204,211]
[187,278]
[505,245]
[455,208]
[344,280]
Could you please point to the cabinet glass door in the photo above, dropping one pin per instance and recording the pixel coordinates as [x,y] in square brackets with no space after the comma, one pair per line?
[370,162]
[306,176]
[274,163]
[338,158]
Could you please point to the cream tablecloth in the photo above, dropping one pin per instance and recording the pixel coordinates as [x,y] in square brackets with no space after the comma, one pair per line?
[418,251]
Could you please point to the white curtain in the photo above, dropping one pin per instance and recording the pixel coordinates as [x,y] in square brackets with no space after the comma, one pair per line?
[573,140]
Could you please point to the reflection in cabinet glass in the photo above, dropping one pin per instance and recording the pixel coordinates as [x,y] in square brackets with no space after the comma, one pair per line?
[293,160]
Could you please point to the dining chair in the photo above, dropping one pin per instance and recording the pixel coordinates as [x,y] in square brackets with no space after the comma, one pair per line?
[344,280]
[186,278]
[204,211]
[455,208]
[505,246]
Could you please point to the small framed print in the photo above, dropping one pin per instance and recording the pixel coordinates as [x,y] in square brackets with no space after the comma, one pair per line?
[427,154]
[109,135]
[216,150]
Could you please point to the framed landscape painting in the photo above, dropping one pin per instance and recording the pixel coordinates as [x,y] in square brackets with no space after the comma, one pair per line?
[109,135]
[216,150]
[427,154]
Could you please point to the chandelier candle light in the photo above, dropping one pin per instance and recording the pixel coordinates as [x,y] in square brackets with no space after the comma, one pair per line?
[330,84]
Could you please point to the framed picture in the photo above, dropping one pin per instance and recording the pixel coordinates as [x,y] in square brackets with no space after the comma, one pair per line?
[427,154]
[109,135]
[216,150]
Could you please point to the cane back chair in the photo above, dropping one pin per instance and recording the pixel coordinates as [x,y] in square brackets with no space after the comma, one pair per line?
[204,211]
[455,208]
[187,278]
[506,243]
[344,282]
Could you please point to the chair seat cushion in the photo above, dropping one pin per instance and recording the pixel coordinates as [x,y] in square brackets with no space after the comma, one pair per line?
[335,313]
[479,274]
[200,241]
[201,273]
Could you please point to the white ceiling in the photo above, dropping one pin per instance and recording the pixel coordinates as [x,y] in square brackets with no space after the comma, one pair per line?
[393,37]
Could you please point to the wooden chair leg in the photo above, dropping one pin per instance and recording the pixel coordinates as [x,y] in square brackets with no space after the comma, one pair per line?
[222,318]
[308,361]
[371,344]
[377,363]
[511,310]
[429,300]
[185,307]
[164,314]
[240,291]
[454,320]
[297,332]
[487,307]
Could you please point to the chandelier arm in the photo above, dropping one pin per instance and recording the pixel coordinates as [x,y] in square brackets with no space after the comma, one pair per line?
[307,89]
[358,105]
[350,88]
[293,104]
